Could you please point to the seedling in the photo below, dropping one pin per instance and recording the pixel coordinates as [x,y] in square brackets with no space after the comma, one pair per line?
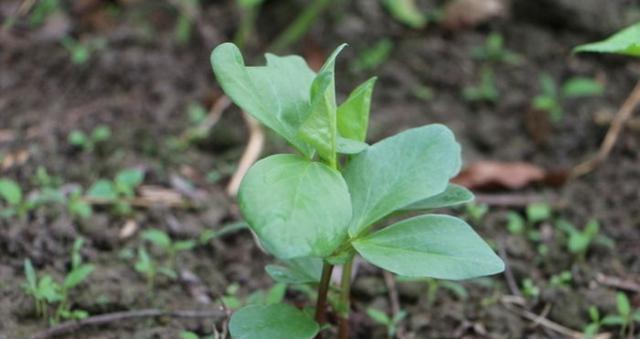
[118,191]
[327,202]
[550,99]
[486,91]
[406,12]
[184,24]
[529,289]
[563,279]
[147,267]
[42,10]
[80,51]
[383,319]
[11,193]
[434,286]
[591,330]
[494,51]
[162,240]
[89,142]
[77,206]
[475,212]
[626,317]
[374,56]
[46,292]
[579,241]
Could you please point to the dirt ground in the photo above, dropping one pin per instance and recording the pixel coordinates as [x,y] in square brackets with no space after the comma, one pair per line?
[143,81]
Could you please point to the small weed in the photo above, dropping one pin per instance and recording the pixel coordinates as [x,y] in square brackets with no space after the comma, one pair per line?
[88,142]
[486,91]
[550,98]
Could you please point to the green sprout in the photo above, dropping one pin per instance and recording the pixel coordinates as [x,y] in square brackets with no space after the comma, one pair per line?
[88,142]
[327,201]
[529,289]
[47,293]
[625,42]
[579,241]
[373,56]
[626,317]
[163,241]
[391,323]
[550,99]
[486,91]
[406,12]
[80,51]
[119,191]
[494,51]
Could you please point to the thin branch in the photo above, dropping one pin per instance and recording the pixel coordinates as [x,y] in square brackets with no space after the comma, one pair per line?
[394,300]
[250,155]
[612,135]
[109,318]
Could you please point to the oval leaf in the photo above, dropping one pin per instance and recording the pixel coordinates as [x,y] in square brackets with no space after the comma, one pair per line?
[454,195]
[626,42]
[436,246]
[10,191]
[277,94]
[349,146]
[398,171]
[297,271]
[353,114]
[271,321]
[297,207]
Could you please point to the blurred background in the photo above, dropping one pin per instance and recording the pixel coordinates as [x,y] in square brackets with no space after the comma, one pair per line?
[126,154]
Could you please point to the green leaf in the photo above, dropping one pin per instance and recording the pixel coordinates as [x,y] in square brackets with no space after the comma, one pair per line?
[454,195]
[320,127]
[613,320]
[101,133]
[103,189]
[188,335]
[537,212]
[77,276]
[297,271]
[626,42]
[49,289]
[636,315]
[77,138]
[157,237]
[406,12]
[515,223]
[297,207]
[378,316]
[10,191]
[271,321]
[581,87]
[80,208]
[353,114]
[399,171]
[275,295]
[129,178]
[348,146]
[624,307]
[184,245]
[436,246]
[30,274]
[277,95]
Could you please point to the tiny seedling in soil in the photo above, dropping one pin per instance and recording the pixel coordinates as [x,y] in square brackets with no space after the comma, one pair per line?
[625,42]
[561,280]
[434,286]
[163,241]
[118,191]
[383,319]
[550,98]
[494,51]
[80,51]
[529,289]
[374,56]
[88,142]
[406,12]
[47,293]
[325,203]
[486,91]
[579,241]
[626,318]
[146,266]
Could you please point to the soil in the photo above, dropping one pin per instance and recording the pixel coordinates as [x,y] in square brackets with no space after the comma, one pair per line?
[142,82]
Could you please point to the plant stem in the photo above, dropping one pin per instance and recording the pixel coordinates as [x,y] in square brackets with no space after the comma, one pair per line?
[322,294]
[345,304]
[300,25]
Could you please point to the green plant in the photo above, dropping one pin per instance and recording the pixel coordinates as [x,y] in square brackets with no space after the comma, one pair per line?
[327,201]
[529,289]
[475,212]
[118,191]
[391,323]
[434,286]
[562,279]
[162,240]
[550,99]
[46,292]
[373,56]
[184,24]
[485,91]
[494,51]
[626,317]
[625,42]
[579,241]
[406,12]
[80,51]
[147,267]
[42,10]
[89,142]
[11,193]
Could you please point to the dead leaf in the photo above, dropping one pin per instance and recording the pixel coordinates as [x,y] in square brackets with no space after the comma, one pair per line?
[160,195]
[130,228]
[470,13]
[493,174]
[14,159]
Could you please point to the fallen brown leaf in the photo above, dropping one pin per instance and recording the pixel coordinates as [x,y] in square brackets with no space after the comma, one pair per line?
[493,174]
[469,13]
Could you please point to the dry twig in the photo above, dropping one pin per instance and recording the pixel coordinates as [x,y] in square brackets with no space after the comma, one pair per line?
[390,281]
[612,135]
[250,155]
[618,283]
[109,318]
